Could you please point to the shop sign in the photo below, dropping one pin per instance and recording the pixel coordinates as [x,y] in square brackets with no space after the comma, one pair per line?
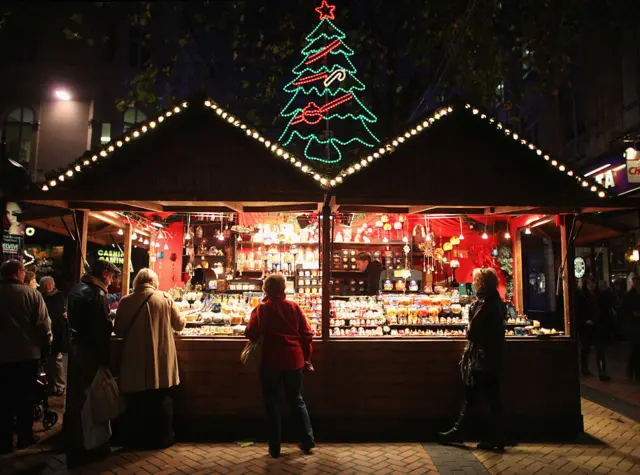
[12,245]
[111,255]
[606,179]
[633,165]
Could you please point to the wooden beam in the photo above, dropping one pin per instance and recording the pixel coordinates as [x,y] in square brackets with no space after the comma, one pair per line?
[567,273]
[105,218]
[54,203]
[598,221]
[508,209]
[195,209]
[126,265]
[83,232]
[518,290]
[146,205]
[103,206]
[373,209]
[304,207]
[421,209]
[237,207]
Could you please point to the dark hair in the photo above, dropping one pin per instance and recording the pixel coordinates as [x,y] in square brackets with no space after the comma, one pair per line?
[364,256]
[100,266]
[10,268]
[29,276]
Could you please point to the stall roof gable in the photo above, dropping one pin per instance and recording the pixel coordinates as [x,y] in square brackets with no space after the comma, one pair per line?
[192,152]
[461,156]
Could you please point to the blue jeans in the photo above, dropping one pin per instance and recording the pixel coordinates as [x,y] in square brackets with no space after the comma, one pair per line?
[272,381]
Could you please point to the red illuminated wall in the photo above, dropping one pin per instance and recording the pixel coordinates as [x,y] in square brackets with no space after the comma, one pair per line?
[170,271]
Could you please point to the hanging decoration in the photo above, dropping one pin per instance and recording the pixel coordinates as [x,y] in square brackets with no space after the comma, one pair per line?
[324,103]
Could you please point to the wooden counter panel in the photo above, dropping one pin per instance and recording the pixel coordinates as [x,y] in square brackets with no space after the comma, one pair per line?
[363,388]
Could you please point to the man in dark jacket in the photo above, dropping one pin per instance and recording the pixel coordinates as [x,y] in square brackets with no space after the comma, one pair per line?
[592,327]
[372,270]
[25,329]
[56,303]
[91,327]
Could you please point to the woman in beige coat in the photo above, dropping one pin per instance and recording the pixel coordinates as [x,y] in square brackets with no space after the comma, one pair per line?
[149,369]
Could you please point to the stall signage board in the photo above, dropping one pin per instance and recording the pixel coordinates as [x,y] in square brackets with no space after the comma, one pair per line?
[12,246]
[111,255]
[633,166]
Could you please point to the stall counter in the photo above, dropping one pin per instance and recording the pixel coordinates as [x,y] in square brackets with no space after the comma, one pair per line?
[376,389]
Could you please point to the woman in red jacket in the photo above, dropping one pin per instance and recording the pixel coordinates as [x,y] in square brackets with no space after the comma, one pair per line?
[286,351]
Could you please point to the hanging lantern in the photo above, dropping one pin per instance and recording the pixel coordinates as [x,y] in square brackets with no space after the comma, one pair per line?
[379,224]
[439,251]
[455,264]
[447,246]
[387,226]
[507,235]
[385,218]
[397,225]
[455,240]
[485,236]
[494,252]
[402,218]
[406,249]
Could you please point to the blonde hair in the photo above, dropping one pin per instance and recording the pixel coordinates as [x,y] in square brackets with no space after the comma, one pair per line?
[486,278]
[274,285]
[146,276]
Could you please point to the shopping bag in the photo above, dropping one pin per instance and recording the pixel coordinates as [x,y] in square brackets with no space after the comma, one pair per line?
[93,434]
[251,355]
[105,397]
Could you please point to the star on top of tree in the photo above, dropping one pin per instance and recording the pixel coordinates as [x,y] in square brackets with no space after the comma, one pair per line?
[326,10]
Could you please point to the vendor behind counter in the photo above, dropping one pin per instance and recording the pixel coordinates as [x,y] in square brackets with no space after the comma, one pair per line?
[372,270]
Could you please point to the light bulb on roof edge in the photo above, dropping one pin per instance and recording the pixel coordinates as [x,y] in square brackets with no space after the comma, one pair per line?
[527,231]
[120,232]
[134,236]
[146,242]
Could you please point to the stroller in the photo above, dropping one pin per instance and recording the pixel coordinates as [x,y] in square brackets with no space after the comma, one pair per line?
[41,409]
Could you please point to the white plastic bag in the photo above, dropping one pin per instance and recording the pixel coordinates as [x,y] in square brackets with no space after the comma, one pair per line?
[106,403]
[94,435]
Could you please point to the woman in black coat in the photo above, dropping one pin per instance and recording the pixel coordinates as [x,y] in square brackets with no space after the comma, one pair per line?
[56,302]
[483,361]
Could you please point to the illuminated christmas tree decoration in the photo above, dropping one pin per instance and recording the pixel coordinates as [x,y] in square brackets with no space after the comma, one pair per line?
[325,115]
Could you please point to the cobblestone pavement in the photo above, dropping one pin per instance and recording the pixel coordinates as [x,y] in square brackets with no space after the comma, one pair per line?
[610,445]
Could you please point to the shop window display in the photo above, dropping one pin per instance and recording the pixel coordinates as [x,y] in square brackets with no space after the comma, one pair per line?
[226,258]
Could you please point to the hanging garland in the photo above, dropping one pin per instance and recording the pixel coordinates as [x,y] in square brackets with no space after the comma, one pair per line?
[505,261]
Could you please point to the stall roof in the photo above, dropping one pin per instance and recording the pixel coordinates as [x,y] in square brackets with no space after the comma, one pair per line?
[193,155]
[460,157]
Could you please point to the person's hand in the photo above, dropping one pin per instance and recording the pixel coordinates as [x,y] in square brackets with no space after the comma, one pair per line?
[309,367]
[589,322]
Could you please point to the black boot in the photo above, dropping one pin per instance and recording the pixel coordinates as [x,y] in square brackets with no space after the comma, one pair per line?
[454,435]
[496,442]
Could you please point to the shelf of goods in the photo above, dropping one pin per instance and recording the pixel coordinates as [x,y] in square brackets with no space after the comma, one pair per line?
[308,281]
[401,315]
[227,315]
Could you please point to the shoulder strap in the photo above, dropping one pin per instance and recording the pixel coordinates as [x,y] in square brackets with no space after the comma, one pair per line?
[135,316]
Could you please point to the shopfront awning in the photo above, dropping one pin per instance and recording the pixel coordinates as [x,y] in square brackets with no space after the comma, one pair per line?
[465,159]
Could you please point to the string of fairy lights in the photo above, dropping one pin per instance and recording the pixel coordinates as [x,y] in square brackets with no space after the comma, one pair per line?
[323,180]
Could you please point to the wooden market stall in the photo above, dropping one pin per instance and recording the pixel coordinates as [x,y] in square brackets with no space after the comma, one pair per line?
[199,159]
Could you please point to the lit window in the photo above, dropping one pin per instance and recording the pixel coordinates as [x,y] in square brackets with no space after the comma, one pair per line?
[133,117]
[105,133]
[17,133]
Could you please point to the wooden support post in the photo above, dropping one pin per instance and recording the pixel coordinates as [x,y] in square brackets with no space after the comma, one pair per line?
[82,219]
[126,264]
[518,290]
[568,276]
[326,270]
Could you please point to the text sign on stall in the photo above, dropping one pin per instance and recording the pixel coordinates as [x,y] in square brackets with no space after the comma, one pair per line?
[111,255]
[606,179]
[12,246]
[633,165]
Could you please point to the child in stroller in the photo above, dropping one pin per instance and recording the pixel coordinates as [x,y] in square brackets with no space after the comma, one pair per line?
[41,409]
